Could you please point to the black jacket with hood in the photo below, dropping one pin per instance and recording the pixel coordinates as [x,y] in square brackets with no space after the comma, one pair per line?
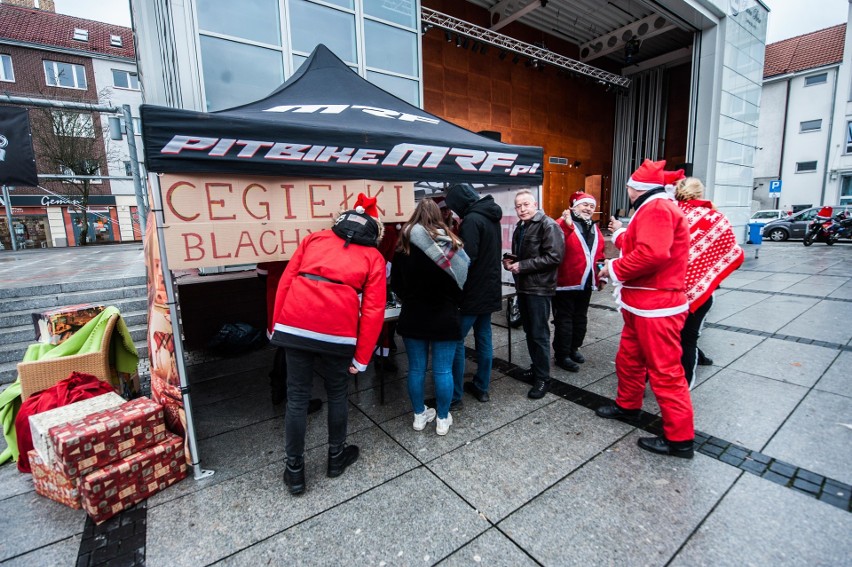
[480,231]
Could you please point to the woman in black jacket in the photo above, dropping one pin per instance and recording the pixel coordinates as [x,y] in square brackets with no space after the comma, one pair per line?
[428,274]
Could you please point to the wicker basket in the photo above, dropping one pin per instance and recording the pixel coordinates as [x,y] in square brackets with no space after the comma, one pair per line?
[39,375]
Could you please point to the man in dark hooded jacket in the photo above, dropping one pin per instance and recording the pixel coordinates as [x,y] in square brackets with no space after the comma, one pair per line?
[481,296]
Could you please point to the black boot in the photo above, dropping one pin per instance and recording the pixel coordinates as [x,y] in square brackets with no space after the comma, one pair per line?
[538,390]
[294,475]
[568,364]
[614,411]
[338,460]
[704,360]
[523,374]
[661,446]
[577,357]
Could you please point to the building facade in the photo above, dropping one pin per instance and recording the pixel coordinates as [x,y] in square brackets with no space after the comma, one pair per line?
[533,73]
[48,57]
[804,137]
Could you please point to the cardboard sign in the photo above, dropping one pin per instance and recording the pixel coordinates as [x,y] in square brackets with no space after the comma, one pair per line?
[226,220]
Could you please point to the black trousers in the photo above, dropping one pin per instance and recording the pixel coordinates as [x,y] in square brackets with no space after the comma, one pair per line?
[300,379]
[535,318]
[689,338]
[570,317]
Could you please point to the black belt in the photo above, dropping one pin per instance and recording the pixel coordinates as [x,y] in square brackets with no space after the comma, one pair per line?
[317,278]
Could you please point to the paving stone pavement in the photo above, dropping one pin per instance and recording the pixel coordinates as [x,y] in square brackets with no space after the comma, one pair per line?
[516,481]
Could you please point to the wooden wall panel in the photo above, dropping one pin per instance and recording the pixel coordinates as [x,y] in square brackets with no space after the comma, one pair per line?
[569,117]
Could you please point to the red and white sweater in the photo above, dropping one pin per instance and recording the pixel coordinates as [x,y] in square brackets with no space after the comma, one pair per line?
[649,276]
[339,307]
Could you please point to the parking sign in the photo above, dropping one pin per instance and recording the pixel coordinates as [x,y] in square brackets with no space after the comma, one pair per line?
[775,187]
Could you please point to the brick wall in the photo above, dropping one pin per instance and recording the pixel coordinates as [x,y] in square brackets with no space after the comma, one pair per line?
[43,5]
[569,117]
[30,81]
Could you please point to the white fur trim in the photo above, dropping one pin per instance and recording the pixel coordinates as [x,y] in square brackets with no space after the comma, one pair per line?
[641,185]
[359,209]
[616,234]
[359,366]
[585,200]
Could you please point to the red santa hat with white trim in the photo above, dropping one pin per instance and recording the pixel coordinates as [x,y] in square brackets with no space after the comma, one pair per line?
[652,174]
[581,197]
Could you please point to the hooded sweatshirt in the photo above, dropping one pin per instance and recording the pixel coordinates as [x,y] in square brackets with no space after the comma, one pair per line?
[482,237]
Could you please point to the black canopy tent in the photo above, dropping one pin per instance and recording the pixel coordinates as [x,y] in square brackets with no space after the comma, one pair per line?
[324,122]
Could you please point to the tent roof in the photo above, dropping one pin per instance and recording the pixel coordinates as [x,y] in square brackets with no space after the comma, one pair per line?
[327,121]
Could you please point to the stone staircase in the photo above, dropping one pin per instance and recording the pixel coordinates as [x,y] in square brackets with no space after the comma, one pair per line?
[17,305]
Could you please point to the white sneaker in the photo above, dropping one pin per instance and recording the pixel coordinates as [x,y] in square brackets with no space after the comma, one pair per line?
[421,419]
[443,425]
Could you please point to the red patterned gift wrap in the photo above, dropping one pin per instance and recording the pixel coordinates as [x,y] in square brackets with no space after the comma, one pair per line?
[106,436]
[52,483]
[108,491]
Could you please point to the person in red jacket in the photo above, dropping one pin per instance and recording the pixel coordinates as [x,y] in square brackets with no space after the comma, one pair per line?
[649,287]
[576,278]
[328,312]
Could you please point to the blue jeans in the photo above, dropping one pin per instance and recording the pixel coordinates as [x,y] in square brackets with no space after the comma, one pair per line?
[442,372]
[481,325]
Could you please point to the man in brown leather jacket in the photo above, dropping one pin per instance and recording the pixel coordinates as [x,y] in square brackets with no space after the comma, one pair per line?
[537,247]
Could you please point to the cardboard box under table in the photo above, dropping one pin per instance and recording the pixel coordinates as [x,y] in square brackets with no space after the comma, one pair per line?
[53,483]
[107,491]
[41,423]
[103,437]
[56,325]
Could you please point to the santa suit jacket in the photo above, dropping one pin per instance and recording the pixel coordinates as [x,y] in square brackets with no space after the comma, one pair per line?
[579,264]
[651,271]
[331,299]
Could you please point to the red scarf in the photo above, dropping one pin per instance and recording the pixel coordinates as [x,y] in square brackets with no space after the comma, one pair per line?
[713,251]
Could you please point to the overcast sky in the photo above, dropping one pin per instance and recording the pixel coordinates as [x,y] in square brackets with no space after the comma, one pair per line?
[787,18]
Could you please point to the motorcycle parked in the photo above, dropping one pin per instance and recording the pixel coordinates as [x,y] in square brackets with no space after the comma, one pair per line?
[840,228]
[819,227]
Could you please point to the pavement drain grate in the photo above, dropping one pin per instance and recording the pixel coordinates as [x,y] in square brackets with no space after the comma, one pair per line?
[830,491]
[119,541]
[762,291]
[788,338]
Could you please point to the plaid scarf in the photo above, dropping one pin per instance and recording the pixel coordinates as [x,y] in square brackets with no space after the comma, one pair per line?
[440,251]
[713,251]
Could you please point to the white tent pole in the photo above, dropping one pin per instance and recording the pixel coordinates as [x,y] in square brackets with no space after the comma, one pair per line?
[174,314]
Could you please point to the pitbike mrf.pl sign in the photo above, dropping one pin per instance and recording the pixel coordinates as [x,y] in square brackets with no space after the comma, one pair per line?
[225,220]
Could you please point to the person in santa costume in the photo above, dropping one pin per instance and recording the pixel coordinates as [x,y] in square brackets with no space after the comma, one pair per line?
[713,255]
[649,288]
[329,311]
[576,278]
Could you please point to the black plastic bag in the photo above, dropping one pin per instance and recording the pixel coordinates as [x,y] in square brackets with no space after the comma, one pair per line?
[234,339]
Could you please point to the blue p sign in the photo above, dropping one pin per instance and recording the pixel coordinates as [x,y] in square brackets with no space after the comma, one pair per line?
[775,187]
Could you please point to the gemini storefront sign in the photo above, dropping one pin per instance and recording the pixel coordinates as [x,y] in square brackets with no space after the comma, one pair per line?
[226,220]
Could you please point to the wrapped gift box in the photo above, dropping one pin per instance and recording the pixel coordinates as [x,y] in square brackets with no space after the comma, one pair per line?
[107,491]
[52,483]
[41,423]
[103,437]
[56,325]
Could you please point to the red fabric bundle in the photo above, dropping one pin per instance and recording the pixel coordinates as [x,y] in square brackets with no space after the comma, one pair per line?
[76,387]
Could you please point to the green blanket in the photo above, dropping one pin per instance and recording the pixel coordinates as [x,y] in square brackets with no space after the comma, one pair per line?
[86,340]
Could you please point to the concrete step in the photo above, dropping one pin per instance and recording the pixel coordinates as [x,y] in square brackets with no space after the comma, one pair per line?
[127,301]
[26,333]
[15,352]
[9,370]
[39,303]
[69,287]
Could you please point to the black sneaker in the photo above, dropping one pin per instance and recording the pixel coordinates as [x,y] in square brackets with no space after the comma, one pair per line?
[476,392]
[659,445]
[338,462]
[538,390]
[294,475]
[567,364]
[524,375]
[456,405]
[704,360]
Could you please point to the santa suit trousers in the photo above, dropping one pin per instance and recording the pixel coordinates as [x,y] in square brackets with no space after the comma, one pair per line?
[650,346]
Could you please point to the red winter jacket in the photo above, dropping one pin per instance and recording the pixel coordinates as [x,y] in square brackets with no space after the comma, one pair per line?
[651,272]
[578,264]
[331,299]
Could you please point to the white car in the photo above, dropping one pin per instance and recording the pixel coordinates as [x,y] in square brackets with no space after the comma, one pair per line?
[766,215]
